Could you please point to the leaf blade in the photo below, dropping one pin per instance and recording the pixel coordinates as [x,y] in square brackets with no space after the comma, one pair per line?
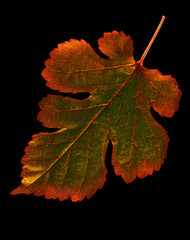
[70,161]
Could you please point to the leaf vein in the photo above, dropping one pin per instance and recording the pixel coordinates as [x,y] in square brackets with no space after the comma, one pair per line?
[84,130]
[89,147]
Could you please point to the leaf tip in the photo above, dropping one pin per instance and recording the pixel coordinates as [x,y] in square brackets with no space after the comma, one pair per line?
[17,190]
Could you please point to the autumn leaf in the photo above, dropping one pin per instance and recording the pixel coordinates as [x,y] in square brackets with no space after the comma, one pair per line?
[71,161]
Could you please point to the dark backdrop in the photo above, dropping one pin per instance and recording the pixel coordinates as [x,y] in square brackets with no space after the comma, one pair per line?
[36,31]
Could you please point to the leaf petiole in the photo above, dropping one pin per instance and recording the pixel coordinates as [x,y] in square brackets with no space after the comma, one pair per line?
[152,40]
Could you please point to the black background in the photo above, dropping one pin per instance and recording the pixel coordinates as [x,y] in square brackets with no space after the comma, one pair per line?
[33,32]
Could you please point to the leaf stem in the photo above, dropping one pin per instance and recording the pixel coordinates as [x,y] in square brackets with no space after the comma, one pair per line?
[152,40]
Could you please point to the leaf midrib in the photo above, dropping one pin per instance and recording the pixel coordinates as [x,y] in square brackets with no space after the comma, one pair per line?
[94,119]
